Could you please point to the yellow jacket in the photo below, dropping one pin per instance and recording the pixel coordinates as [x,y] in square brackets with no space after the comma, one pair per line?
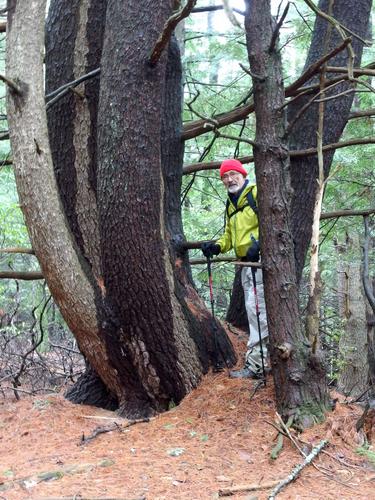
[240,227]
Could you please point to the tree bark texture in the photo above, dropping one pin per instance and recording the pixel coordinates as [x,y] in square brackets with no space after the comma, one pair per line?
[298,373]
[148,344]
[353,344]
[74,42]
[145,321]
[304,171]
[74,39]
[50,235]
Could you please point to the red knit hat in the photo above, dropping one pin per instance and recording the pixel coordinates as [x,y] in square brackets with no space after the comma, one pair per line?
[228,165]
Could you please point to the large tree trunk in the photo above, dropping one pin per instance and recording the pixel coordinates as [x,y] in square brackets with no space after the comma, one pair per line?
[58,255]
[147,328]
[141,326]
[74,41]
[304,171]
[298,373]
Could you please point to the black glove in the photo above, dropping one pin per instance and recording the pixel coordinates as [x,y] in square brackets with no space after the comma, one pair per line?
[253,254]
[210,249]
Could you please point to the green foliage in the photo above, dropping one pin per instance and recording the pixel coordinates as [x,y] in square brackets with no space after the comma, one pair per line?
[367,452]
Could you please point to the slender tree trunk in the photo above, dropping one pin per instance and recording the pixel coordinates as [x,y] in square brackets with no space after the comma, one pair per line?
[353,345]
[299,376]
[304,171]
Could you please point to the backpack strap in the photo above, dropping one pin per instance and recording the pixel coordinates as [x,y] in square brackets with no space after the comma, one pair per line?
[250,203]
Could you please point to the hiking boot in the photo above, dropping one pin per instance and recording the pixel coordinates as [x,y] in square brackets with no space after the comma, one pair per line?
[244,373]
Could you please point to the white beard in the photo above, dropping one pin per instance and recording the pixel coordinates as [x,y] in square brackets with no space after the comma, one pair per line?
[233,189]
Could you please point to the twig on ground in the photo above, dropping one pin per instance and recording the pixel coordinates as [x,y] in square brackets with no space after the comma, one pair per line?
[232,490]
[257,386]
[296,471]
[115,426]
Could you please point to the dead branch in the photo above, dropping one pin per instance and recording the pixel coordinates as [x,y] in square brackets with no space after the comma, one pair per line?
[57,94]
[109,428]
[221,260]
[229,12]
[356,71]
[3,27]
[195,167]
[315,67]
[25,275]
[234,138]
[362,114]
[280,436]
[212,8]
[313,305]
[276,31]
[168,30]
[233,490]
[309,103]
[17,250]
[347,213]
[296,471]
[11,84]
[58,474]
[195,128]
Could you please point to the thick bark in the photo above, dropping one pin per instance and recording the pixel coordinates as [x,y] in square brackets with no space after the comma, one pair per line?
[145,345]
[90,390]
[299,376]
[51,238]
[147,327]
[74,39]
[304,171]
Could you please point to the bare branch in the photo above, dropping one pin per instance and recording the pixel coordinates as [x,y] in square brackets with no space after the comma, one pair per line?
[168,30]
[212,8]
[347,213]
[26,275]
[11,84]
[67,87]
[315,67]
[276,31]
[229,12]
[362,114]
[341,29]
[214,165]
[17,250]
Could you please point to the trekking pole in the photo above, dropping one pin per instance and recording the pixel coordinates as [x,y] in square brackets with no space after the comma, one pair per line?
[253,271]
[209,272]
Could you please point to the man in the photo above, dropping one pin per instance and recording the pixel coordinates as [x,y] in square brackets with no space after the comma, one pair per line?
[242,234]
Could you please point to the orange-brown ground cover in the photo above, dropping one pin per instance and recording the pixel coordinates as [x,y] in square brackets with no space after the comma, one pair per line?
[216,438]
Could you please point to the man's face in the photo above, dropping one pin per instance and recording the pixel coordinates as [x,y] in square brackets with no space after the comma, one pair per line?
[233,181]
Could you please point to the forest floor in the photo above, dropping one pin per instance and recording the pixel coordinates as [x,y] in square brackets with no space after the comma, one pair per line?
[219,438]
